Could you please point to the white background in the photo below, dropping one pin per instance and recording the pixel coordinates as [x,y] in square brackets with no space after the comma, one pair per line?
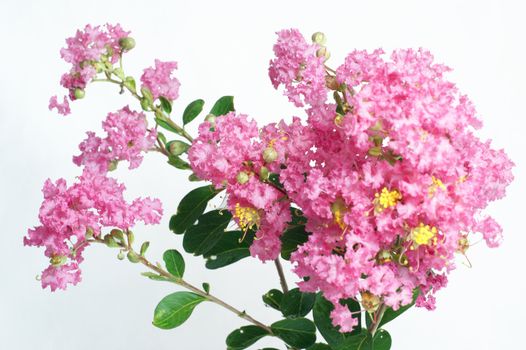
[223,47]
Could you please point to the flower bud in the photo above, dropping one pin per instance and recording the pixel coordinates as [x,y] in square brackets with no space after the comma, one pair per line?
[132,257]
[121,255]
[110,241]
[338,120]
[383,257]
[270,154]
[370,302]
[127,44]
[319,38]
[79,93]
[242,177]
[58,260]
[211,119]
[113,165]
[323,52]
[177,148]
[264,173]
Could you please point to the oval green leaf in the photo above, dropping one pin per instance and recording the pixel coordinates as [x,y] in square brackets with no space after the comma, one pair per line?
[297,332]
[273,298]
[291,239]
[174,262]
[245,336]
[229,249]
[192,111]
[222,106]
[166,104]
[191,207]
[174,309]
[296,303]
[202,237]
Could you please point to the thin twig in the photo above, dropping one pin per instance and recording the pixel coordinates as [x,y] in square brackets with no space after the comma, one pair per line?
[282,279]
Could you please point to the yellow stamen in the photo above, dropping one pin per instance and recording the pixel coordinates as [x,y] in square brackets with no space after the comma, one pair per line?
[386,199]
[338,209]
[437,183]
[423,234]
[247,218]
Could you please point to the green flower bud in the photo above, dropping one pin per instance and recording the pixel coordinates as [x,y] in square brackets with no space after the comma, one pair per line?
[89,233]
[58,260]
[113,165]
[110,241]
[121,255]
[375,151]
[145,104]
[264,173]
[211,119]
[270,154]
[319,38]
[133,257]
[242,177]
[127,44]
[177,148]
[79,93]
[323,52]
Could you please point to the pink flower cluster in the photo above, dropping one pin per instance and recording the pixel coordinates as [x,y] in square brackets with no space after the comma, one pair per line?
[127,138]
[89,51]
[72,216]
[159,80]
[391,177]
[228,156]
[69,214]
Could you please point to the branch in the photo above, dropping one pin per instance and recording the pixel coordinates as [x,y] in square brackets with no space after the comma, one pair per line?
[282,279]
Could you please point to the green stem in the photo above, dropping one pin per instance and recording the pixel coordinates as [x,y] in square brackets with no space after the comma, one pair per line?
[185,284]
[377,319]
[281,274]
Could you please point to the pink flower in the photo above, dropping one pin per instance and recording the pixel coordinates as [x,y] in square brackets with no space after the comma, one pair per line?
[159,80]
[86,52]
[68,214]
[62,108]
[58,277]
[127,138]
[297,67]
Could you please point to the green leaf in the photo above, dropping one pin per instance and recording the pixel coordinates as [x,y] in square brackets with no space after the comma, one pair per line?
[297,332]
[192,111]
[229,249]
[202,237]
[191,207]
[321,313]
[178,163]
[296,303]
[206,287]
[161,137]
[165,125]
[245,336]
[174,262]
[297,217]
[273,179]
[174,309]
[222,106]
[154,276]
[144,248]
[382,340]
[273,298]
[319,346]
[291,239]
[360,341]
[166,104]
